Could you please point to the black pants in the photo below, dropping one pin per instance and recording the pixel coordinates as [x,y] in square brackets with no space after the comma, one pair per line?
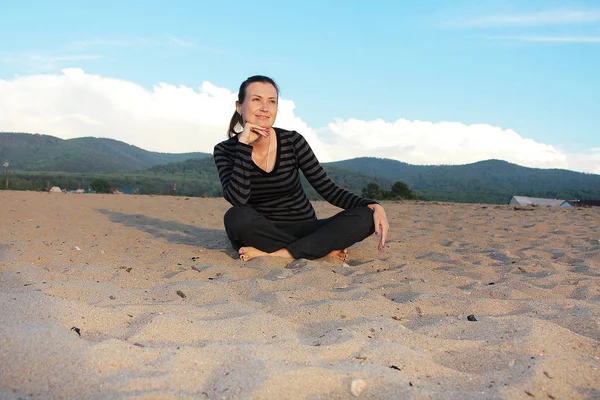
[307,239]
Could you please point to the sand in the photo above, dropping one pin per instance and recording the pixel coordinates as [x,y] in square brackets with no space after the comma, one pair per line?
[120,296]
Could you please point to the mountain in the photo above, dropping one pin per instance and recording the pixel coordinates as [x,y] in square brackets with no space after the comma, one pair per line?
[36,152]
[205,169]
[488,181]
[37,161]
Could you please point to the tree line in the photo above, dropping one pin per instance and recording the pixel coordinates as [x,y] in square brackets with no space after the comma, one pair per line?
[399,191]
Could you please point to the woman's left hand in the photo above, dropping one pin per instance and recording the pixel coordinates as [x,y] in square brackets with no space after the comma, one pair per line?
[381,223]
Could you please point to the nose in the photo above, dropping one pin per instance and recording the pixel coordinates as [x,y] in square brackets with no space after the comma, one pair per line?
[264,106]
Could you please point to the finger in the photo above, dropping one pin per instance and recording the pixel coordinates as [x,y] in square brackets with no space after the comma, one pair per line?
[252,133]
[378,229]
[260,127]
[384,231]
[260,130]
[382,226]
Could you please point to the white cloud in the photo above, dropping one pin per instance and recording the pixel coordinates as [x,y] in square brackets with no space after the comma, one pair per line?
[181,42]
[588,161]
[31,62]
[167,118]
[135,41]
[549,39]
[422,142]
[158,42]
[548,17]
[121,42]
[37,61]
[171,118]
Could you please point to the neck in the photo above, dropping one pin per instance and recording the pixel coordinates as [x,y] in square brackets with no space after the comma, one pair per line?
[263,148]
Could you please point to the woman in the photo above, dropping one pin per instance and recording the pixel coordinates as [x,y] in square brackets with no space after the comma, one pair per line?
[259,171]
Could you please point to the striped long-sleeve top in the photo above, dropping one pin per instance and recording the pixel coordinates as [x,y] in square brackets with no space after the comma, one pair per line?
[278,194]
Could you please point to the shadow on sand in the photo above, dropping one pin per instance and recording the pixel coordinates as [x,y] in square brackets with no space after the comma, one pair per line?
[173,231]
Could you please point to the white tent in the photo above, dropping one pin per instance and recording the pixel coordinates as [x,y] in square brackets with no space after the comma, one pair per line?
[535,201]
[55,189]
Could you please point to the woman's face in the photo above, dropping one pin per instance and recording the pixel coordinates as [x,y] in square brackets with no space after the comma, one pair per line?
[260,105]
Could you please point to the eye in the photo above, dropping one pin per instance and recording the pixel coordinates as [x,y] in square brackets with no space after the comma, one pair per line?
[273,102]
[255,99]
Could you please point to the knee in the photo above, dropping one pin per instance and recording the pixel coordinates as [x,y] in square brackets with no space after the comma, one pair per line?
[238,218]
[363,213]
[364,218]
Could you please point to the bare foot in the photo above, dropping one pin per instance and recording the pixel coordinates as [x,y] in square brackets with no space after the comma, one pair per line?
[248,253]
[340,254]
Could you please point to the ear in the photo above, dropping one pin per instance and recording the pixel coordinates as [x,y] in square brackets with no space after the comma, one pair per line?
[238,107]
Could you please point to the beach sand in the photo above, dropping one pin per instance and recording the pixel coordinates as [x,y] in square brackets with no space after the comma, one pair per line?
[142,297]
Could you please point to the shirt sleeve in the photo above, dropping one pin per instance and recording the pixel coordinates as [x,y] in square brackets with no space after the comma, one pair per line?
[317,177]
[233,161]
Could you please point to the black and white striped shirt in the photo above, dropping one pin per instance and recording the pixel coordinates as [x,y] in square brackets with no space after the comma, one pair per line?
[278,194]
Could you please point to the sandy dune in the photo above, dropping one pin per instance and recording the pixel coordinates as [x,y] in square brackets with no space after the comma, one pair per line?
[115,296]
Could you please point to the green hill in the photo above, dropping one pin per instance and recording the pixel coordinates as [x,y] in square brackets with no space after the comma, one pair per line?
[493,181]
[38,161]
[36,152]
[205,170]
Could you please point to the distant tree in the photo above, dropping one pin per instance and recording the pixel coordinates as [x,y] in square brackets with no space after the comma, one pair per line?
[100,185]
[372,191]
[400,190]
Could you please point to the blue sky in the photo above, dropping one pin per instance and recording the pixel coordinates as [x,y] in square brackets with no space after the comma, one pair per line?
[459,72]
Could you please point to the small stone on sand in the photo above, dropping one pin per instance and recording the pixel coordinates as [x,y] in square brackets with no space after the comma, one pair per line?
[357,387]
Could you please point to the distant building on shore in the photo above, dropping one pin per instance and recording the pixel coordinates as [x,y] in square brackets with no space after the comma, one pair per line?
[536,201]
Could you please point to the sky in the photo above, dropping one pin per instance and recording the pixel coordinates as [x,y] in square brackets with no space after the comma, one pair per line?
[429,82]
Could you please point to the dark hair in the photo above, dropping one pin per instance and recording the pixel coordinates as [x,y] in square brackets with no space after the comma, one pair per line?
[237,118]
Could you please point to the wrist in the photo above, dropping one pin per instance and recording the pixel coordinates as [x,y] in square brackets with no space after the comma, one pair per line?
[244,139]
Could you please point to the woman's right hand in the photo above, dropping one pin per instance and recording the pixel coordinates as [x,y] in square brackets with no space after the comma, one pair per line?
[252,133]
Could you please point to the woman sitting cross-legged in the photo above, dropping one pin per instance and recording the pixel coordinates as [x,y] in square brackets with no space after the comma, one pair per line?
[259,169]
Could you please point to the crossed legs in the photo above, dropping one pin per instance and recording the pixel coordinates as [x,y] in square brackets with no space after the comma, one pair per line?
[253,235]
